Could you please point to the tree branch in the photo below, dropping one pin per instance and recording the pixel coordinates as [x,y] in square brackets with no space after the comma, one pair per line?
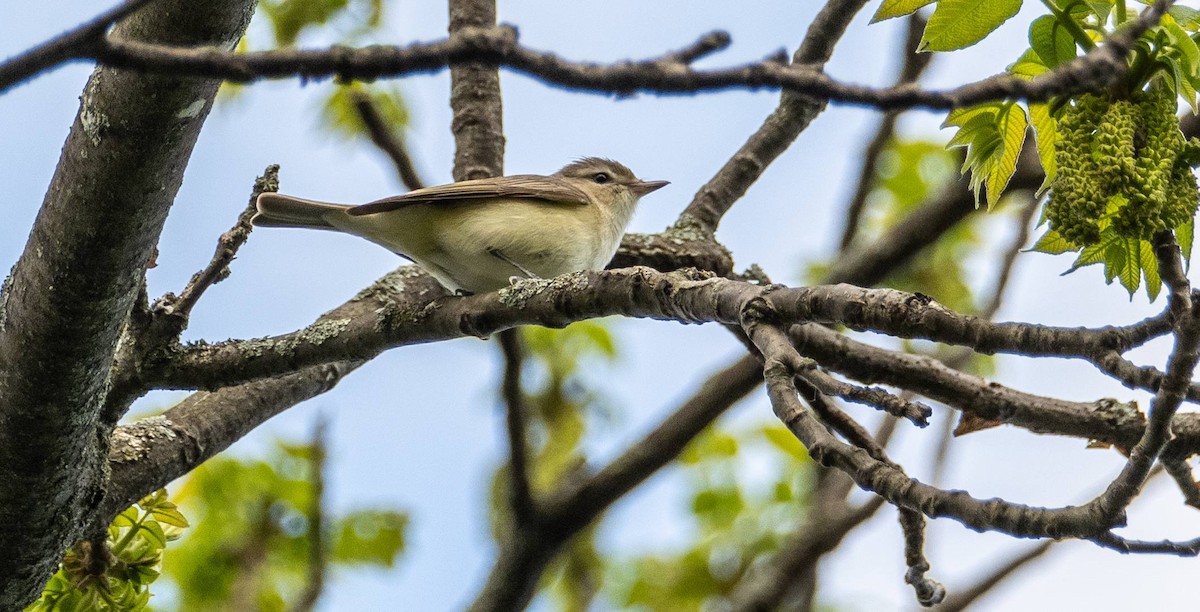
[151,452]
[765,589]
[1088,521]
[794,113]
[690,296]
[577,504]
[64,47]
[478,123]
[497,46]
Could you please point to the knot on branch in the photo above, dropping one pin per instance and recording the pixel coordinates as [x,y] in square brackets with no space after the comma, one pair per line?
[929,592]
[754,312]
[482,44]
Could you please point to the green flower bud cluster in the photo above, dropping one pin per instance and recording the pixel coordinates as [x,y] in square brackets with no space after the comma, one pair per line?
[1124,163]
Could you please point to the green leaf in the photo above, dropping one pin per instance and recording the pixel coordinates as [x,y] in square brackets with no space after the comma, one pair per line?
[1150,270]
[1183,42]
[170,516]
[1045,133]
[1012,126]
[1186,16]
[289,17]
[961,116]
[956,24]
[600,336]
[1185,235]
[898,8]
[976,131]
[1183,59]
[1183,82]
[1124,261]
[993,133]
[128,517]
[786,441]
[979,154]
[1054,244]
[1090,255]
[719,506]
[1051,41]
[372,537]
[1028,66]
[711,444]
[153,532]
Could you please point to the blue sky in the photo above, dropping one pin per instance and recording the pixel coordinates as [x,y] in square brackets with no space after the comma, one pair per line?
[419,428]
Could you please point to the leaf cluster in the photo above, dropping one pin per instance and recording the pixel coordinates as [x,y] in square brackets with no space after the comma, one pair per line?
[115,574]
[1165,58]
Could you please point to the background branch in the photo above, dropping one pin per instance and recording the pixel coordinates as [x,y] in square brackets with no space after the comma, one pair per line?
[385,138]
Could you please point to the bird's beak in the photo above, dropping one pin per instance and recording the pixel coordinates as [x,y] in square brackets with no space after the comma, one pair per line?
[641,188]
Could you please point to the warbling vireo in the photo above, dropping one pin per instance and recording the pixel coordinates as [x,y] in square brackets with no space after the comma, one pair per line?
[476,236]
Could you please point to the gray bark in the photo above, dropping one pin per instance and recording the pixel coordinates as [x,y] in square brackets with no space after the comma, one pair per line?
[63,307]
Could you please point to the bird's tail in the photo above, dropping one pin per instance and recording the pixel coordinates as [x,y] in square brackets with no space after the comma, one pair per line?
[278,210]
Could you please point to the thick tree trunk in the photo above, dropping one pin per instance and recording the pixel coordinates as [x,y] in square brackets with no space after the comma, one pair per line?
[63,307]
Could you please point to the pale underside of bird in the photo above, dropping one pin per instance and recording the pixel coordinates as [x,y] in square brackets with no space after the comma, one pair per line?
[480,235]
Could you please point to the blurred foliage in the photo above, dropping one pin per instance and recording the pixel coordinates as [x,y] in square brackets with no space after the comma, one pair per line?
[341,118]
[908,174]
[118,577]
[346,22]
[290,18]
[737,523]
[251,544]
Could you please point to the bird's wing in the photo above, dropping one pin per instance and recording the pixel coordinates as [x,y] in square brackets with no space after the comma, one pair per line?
[548,188]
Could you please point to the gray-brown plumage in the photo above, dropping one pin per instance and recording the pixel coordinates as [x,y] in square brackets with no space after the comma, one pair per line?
[476,235]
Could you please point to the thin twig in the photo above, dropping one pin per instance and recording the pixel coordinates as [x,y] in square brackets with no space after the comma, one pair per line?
[912,522]
[580,501]
[1024,223]
[228,244]
[1182,362]
[708,44]
[1186,548]
[876,397]
[927,590]
[764,589]
[1171,271]
[64,47]
[382,135]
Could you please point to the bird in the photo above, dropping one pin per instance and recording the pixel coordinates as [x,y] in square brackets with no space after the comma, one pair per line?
[481,235]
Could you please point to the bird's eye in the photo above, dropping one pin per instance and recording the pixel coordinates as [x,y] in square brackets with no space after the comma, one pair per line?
[601,178]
